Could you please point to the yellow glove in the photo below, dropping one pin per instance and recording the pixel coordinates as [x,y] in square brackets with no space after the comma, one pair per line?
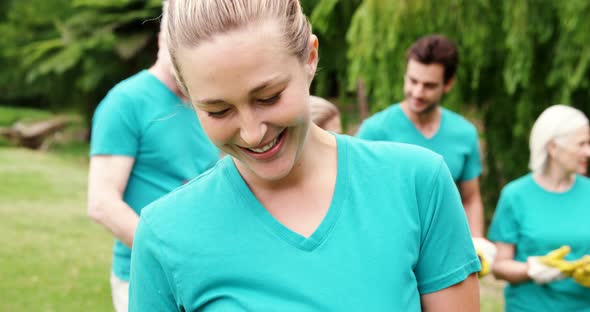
[555,259]
[581,274]
[486,267]
[579,270]
[486,252]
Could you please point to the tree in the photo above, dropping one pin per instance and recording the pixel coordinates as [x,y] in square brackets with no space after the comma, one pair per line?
[517,58]
[68,53]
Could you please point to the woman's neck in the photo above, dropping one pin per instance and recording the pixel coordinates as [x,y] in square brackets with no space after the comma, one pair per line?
[555,179]
[319,146]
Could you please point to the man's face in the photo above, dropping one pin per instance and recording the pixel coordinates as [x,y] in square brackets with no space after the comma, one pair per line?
[424,86]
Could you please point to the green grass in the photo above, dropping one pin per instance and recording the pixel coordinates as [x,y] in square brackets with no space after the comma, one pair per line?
[9,115]
[52,257]
[491,294]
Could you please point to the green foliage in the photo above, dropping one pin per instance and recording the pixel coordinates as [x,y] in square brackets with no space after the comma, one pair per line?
[517,58]
[69,53]
[331,20]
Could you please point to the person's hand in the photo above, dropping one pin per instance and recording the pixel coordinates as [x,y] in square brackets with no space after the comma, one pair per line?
[486,251]
[541,273]
[579,270]
[555,259]
[581,274]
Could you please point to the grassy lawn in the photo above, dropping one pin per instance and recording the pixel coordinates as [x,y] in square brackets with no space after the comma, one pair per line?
[52,257]
[491,294]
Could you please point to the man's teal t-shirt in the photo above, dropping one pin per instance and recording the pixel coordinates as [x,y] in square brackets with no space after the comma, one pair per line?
[395,230]
[456,139]
[536,222]
[141,118]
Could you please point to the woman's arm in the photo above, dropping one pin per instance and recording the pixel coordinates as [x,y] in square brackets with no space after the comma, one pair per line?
[506,268]
[463,296]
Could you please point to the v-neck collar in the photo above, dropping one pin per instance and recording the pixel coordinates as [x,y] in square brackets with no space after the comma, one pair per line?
[276,227]
[417,132]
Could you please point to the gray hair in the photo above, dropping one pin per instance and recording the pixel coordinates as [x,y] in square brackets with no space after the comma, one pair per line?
[554,123]
[322,110]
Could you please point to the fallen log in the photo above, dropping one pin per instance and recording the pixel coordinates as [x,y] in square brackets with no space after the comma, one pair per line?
[32,135]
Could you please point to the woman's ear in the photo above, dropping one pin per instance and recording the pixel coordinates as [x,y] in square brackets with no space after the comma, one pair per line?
[551,146]
[312,56]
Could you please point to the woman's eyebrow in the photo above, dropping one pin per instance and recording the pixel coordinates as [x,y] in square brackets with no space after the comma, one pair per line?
[273,81]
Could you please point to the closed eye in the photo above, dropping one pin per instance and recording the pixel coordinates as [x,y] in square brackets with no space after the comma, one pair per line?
[270,100]
[218,114]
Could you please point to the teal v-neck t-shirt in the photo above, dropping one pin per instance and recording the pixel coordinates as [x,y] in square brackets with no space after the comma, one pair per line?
[143,119]
[536,222]
[456,139]
[395,230]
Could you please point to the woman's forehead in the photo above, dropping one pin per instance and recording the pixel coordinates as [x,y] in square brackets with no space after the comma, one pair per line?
[580,134]
[236,62]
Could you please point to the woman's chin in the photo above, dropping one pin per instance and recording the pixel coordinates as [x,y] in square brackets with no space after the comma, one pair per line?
[274,170]
[271,173]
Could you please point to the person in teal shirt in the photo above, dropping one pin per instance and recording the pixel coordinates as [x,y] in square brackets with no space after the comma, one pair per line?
[456,139]
[419,119]
[145,142]
[294,218]
[542,211]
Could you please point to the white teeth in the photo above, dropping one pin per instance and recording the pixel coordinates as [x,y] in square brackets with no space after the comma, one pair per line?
[266,147]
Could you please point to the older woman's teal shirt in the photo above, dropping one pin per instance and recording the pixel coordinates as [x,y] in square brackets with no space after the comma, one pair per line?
[536,222]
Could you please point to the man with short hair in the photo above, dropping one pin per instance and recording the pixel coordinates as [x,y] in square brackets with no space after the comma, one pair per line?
[419,119]
[145,142]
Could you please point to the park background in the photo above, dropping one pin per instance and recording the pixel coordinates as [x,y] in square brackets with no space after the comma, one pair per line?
[60,57]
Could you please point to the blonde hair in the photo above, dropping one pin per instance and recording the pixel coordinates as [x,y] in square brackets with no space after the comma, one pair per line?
[191,22]
[322,110]
[554,123]
[163,18]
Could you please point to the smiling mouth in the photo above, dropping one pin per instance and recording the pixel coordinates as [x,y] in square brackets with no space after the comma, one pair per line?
[268,146]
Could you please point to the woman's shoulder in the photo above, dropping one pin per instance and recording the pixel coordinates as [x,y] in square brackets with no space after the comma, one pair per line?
[191,200]
[391,157]
[525,183]
[583,181]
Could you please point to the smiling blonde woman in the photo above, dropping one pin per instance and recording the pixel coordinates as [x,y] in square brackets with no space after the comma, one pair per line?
[294,218]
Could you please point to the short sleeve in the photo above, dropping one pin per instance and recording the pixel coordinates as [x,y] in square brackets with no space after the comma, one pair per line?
[115,127]
[447,255]
[150,286]
[472,168]
[504,227]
